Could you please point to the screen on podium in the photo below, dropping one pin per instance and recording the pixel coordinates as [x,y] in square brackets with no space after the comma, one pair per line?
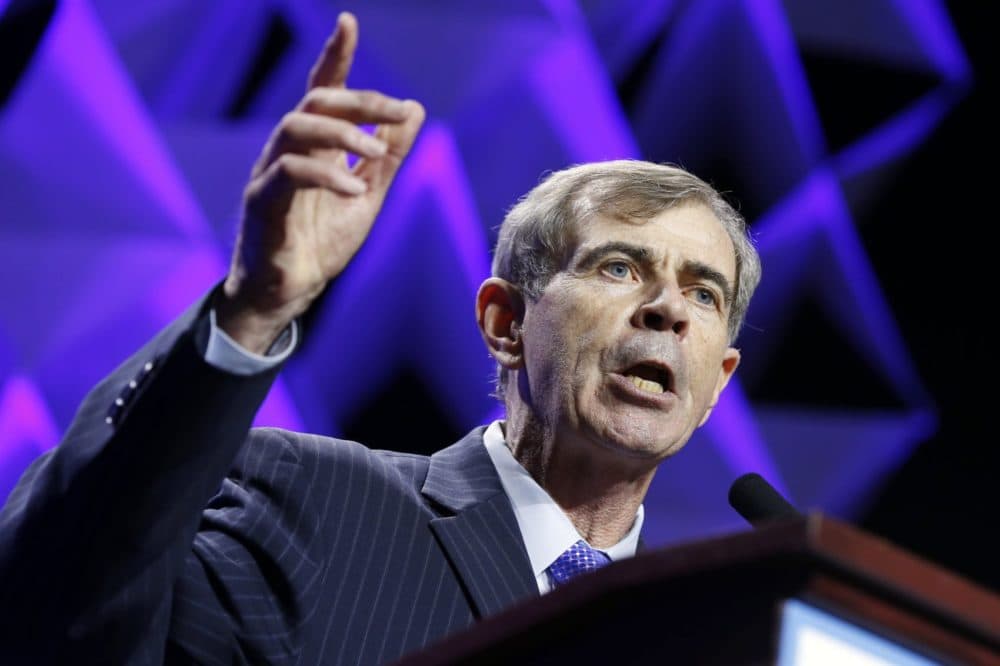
[812,637]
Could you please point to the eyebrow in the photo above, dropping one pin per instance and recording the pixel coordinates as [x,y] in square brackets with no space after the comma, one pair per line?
[707,273]
[644,256]
[639,254]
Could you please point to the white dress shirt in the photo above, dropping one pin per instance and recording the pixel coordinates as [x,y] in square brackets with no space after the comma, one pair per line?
[226,354]
[545,529]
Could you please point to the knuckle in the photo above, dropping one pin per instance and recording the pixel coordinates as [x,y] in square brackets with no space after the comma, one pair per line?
[342,131]
[320,98]
[312,100]
[250,190]
[330,178]
[369,98]
[287,123]
[284,164]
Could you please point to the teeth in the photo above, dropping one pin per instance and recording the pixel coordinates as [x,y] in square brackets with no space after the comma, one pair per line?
[646,385]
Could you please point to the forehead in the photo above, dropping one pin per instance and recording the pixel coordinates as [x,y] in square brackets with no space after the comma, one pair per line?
[689,232]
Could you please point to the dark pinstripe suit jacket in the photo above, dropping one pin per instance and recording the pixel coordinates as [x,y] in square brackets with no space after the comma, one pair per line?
[314,551]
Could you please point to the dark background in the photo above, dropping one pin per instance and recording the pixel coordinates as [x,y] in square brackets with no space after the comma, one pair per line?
[941,281]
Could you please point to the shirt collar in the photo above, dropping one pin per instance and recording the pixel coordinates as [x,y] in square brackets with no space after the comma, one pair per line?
[546,530]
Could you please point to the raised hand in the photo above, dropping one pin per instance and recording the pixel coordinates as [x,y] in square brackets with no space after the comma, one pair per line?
[305,212]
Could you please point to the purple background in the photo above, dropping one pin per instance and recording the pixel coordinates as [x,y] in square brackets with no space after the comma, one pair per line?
[127,131]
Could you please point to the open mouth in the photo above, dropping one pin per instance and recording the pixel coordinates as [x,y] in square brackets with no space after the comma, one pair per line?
[650,377]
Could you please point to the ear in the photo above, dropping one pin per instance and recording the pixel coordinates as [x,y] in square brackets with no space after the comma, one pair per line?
[730,359]
[499,313]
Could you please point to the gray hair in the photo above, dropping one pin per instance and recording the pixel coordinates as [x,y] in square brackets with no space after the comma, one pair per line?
[540,230]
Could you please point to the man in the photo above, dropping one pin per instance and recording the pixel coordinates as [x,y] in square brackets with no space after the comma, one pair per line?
[617,291]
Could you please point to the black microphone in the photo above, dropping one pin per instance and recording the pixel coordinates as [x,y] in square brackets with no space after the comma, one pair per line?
[756,500]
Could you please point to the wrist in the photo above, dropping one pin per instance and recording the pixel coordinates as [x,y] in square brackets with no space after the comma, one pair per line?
[252,327]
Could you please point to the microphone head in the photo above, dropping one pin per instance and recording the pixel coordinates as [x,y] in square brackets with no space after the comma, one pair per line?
[757,501]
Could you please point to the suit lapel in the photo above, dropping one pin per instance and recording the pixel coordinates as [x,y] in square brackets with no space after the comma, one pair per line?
[481,538]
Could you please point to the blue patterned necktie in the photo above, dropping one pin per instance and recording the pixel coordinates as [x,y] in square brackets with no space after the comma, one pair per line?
[577,559]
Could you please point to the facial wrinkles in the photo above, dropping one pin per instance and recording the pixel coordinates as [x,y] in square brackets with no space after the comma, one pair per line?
[652,347]
[582,344]
[548,386]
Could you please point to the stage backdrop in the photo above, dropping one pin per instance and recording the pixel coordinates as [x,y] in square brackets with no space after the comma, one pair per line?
[127,131]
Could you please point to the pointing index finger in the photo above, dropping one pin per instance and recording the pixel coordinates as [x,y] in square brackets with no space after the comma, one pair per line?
[334,63]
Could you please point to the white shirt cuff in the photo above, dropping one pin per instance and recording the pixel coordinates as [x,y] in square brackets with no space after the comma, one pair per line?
[226,354]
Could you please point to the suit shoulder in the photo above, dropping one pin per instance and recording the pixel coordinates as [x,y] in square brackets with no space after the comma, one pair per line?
[335,456]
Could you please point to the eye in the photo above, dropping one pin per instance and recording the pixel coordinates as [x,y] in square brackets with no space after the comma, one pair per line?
[705,296]
[618,269]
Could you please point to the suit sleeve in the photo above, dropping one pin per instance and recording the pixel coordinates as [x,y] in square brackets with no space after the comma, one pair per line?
[99,530]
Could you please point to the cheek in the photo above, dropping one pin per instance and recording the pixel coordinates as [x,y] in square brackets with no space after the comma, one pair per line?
[705,370]
[574,332]
[704,387]
[571,332]
[588,343]
[551,354]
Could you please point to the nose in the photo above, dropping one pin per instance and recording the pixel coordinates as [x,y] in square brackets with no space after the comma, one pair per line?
[664,311]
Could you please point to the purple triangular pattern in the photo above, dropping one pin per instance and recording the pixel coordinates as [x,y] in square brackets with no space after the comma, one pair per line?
[76,112]
[279,409]
[135,304]
[733,430]
[485,59]
[899,134]
[312,24]
[623,29]
[510,163]
[568,77]
[286,84]
[26,429]
[777,44]
[150,36]
[687,499]
[563,76]
[117,313]
[909,34]
[694,84]
[88,64]
[216,159]
[97,278]
[211,63]
[789,236]
[809,244]
[125,20]
[448,330]
[850,293]
[835,458]
[929,22]
[391,60]
[914,35]
[831,460]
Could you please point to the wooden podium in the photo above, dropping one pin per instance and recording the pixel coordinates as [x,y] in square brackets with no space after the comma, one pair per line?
[723,601]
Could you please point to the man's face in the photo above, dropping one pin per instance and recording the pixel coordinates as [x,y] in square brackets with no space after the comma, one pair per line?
[627,345]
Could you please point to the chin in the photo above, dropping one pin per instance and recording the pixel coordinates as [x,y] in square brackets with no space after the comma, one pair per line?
[639,432]
[631,438]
